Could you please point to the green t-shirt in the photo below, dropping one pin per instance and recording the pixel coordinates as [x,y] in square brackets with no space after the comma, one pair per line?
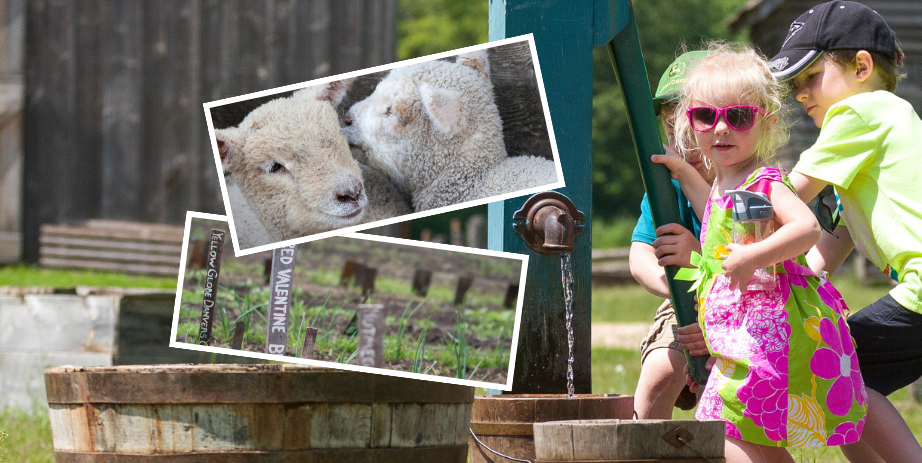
[870,148]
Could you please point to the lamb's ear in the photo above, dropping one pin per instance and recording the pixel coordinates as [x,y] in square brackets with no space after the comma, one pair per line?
[476,60]
[230,146]
[444,107]
[331,92]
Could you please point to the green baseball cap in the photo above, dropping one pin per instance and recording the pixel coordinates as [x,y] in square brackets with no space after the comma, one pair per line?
[671,82]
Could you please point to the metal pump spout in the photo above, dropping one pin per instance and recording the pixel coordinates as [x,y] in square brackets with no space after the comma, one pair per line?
[548,222]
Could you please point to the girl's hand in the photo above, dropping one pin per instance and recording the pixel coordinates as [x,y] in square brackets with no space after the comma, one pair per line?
[738,267]
[674,245]
[678,168]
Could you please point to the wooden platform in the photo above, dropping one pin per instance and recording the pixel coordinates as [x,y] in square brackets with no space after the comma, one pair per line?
[610,266]
[130,247]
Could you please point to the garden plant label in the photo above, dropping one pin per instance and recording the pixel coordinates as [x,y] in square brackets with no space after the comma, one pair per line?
[215,247]
[283,266]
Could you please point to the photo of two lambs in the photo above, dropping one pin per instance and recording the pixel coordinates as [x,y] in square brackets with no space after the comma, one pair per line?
[429,135]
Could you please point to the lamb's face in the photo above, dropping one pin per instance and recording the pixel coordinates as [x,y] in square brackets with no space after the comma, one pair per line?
[296,169]
[425,118]
[388,124]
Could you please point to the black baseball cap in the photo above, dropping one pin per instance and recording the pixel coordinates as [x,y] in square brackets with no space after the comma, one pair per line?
[836,25]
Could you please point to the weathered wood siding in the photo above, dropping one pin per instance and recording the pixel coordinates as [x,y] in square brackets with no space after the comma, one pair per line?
[12,22]
[114,126]
[768,32]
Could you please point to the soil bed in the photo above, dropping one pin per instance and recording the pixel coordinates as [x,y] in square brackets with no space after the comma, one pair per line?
[319,300]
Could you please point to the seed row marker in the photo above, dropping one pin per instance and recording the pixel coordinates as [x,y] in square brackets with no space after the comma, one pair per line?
[464,284]
[237,341]
[215,247]
[371,335]
[280,289]
[310,338]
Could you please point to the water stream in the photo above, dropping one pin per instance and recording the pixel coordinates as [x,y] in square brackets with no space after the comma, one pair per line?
[566,277]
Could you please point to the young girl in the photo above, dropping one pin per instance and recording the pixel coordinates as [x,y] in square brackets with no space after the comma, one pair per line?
[786,373]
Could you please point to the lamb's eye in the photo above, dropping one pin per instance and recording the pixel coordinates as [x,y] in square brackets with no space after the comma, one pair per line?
[274,167]
[388,111]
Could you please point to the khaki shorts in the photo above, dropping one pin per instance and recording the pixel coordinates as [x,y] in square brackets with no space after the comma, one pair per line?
[662,333]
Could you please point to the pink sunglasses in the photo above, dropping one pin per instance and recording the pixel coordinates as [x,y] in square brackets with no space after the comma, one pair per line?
[739,117]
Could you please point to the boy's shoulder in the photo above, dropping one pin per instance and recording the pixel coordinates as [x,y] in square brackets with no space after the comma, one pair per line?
[878,101]
[872,110]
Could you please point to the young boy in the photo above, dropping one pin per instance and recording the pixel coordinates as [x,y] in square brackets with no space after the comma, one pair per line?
[662,383]
[842,58]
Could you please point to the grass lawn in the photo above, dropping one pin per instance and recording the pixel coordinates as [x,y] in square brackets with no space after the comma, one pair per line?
[631,303]
[27,275]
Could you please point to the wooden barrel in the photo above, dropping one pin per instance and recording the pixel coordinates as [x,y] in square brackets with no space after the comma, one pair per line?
[601,441]
[504,422]
[253,413]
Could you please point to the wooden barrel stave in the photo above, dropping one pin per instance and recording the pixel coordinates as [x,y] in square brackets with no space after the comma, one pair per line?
[575,441]
[504,422]
[165,410]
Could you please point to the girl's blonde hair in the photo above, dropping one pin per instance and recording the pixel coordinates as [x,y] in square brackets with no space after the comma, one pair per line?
[734,68]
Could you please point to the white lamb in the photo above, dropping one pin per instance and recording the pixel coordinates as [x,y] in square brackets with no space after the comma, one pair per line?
[434,129]
[293,166]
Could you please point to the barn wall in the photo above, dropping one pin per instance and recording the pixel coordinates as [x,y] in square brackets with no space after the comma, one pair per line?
[113,124]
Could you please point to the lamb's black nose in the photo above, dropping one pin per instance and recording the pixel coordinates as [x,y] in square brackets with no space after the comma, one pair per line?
[350,195]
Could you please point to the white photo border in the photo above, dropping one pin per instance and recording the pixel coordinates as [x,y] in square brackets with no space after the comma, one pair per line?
[382,371]
[414,215]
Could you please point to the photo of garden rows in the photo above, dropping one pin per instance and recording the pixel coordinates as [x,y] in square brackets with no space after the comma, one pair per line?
[445,313]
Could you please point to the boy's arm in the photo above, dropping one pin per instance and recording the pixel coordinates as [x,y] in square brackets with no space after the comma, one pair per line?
[807,187]
[646,270]
[830,252]
[673,246]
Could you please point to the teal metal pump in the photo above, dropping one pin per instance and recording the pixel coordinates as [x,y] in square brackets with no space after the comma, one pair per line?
[565,33]
[627,60]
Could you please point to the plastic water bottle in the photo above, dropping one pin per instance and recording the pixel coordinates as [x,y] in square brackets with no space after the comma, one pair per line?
[753,221]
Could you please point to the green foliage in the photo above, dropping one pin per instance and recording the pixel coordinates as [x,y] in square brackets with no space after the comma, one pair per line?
[432,26]
[664,26]
[26,437]
[30,275]
[613,233]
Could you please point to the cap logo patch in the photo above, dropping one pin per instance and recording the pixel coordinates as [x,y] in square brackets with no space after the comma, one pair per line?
[676,70]
[778,64]
[795,26]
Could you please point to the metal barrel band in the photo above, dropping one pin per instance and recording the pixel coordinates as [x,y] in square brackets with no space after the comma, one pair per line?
[494,451]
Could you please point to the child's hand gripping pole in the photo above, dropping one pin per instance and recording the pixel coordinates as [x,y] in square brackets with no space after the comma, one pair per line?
[627,60]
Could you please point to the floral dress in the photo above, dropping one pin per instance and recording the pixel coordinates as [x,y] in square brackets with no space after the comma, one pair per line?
[786,372]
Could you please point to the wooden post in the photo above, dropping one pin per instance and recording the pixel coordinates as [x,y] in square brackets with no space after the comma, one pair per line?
[359,275]
[564,47]
[371,335]
[425,235]
[215,247]
[267,270]
[237,342]
[280,292]
[464,284]
[310,337]
[347,273]
[197,256]
[368,283]
[512,295]
[421,281]
[455,237]
[475,232]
